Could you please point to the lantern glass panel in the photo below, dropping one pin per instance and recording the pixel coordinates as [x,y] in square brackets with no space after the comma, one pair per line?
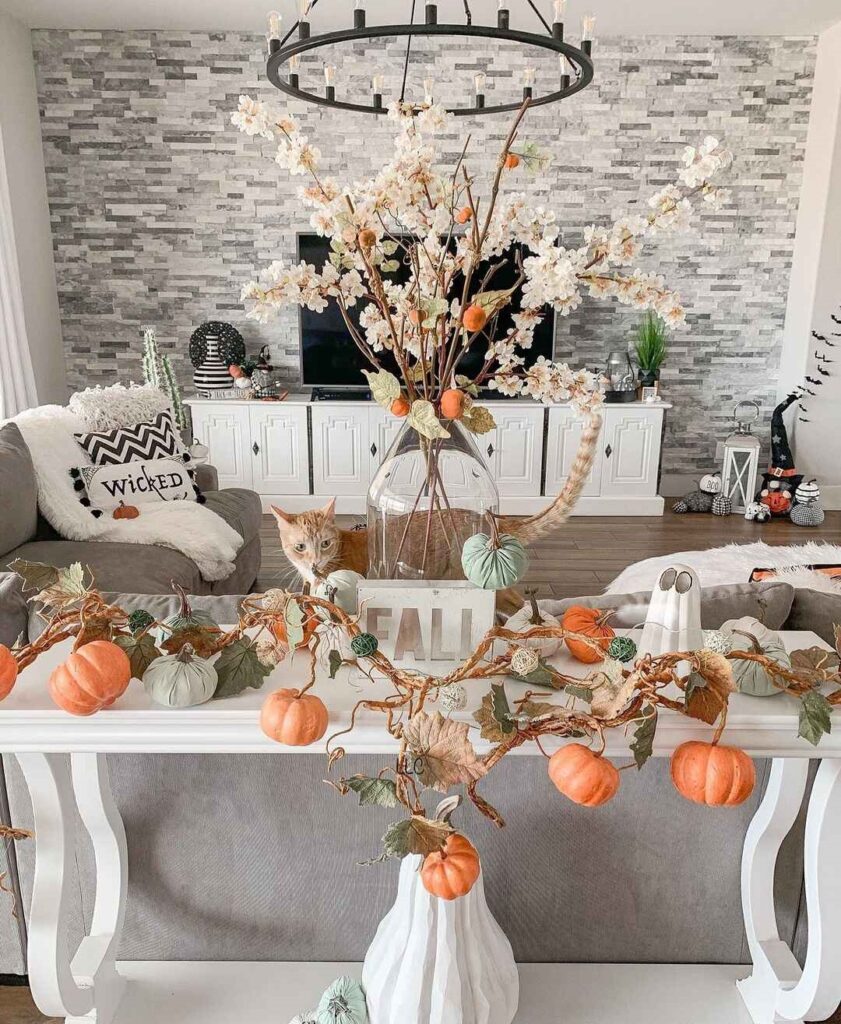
[739,472]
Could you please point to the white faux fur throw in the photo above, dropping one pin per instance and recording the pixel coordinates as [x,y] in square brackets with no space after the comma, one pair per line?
[186,526]
[733,564]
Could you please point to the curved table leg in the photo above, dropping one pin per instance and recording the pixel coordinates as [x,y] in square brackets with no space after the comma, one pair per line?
[778,991]
[87,987]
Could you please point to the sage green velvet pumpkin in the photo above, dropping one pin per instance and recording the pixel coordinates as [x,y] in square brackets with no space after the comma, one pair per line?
[345,583]
[180,680]
[749,634]
[493,566]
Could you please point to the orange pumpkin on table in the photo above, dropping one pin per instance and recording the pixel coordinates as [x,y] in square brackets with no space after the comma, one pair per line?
[8,671]
[590,622]
[293,718]
[711,774]
[92,678]
[452,871]
[585,777]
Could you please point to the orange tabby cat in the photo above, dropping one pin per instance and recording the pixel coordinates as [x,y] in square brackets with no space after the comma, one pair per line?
[316,546]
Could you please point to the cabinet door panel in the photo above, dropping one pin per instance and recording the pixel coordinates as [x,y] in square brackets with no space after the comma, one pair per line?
[631,456]
[226,432]
[281,459]
[341,460]
[562,442]
[383,429]
[514,449]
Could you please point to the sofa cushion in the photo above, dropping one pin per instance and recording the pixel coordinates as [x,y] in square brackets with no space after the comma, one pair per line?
[18,490]
[816,611]
[769,602]
[240,509]
[13,608]
[143,567]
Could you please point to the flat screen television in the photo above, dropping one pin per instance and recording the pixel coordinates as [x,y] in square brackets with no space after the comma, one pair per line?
[330,359]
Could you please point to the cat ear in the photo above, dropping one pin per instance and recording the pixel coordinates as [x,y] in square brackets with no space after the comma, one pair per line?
[283,518]
[329,510]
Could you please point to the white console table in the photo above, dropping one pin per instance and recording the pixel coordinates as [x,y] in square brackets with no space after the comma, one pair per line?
[88,987]
[298,453]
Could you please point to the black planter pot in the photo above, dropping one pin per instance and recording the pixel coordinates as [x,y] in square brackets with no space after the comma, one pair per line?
[648,378]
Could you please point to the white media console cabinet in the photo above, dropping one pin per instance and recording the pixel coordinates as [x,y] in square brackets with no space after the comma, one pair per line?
[298,451]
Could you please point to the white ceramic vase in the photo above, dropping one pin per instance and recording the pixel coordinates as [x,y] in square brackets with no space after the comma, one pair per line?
[673,622]
[439,962]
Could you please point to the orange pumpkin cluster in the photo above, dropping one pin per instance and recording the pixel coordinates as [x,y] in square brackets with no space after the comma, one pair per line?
[589,622]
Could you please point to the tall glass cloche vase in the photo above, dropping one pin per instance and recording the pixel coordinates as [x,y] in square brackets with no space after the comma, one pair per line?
[426,499]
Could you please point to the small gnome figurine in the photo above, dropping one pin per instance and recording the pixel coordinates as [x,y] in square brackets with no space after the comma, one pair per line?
[782,479]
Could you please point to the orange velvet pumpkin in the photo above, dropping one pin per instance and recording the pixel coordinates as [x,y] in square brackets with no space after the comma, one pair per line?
[590,622]
[464,215]
[474,318]
[8,671]
[294,719]
[512,161]
[452,404]
[400,407]
[452,871]
[92,678]
[586,778]
[711,774]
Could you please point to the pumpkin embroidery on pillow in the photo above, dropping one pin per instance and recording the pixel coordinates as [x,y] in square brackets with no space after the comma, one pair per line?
[105,488]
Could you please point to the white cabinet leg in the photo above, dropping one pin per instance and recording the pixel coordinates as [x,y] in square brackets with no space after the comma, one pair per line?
[778,991]
[84,988]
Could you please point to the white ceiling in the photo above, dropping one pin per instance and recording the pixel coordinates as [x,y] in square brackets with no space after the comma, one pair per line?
[615,17]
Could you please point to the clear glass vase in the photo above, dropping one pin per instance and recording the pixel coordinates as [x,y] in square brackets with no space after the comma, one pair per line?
[425,500]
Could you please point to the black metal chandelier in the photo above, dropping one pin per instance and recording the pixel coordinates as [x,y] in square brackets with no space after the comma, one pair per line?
[575,64]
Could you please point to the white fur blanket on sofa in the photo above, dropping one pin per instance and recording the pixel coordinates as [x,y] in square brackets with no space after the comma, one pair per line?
[733,564]
[185,526]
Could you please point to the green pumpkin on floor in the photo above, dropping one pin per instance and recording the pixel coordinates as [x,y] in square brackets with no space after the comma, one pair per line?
[749,634]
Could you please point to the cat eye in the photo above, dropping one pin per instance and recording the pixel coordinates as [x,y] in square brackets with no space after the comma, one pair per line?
[326,543]
[300,547]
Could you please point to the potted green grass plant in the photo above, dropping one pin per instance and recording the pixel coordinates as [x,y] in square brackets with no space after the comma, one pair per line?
[650,349]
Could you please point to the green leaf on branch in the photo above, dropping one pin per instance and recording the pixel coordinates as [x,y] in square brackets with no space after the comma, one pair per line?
[385,387]
[57,588]
[239,668]
[35,575]
[422,417]
[581,692]
[541,677]
[501,709]
[293,616]
[372,792]
[642,746]
[478,420]
[492,301]
[141,651]
[335,661]
[431,310]
[415,835]
[490,728]
[815,711]
[388,247]
[467,384]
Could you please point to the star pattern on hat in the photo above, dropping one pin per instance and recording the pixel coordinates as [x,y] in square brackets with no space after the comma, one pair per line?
[776,438]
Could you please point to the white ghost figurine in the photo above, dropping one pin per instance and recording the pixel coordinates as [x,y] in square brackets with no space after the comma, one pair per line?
[673,622]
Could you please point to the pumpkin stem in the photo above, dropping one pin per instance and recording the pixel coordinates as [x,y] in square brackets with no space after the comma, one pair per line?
[494,532]
[186,610]
[536,618]
[185,655]
[757,649]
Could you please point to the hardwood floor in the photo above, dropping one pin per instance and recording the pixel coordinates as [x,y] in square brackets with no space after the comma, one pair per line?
[587,553]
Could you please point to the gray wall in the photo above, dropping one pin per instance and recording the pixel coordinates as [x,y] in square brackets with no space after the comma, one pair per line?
[161,210]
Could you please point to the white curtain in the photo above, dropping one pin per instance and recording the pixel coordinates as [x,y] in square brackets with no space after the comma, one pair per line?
[17,380]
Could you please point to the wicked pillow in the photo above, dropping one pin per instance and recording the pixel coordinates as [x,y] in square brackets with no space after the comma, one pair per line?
[155,439]
[104,488]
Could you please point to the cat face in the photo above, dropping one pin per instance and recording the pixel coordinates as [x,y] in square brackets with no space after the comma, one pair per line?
[310,540]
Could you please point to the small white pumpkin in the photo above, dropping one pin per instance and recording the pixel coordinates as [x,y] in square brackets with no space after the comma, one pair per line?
[711,483]
[529,616]
[806,492]
[180,680]
[345,583]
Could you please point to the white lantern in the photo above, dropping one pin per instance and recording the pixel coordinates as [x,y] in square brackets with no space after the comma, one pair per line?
[740,468]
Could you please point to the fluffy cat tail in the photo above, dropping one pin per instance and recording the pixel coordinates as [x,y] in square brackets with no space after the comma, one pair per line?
[536,526]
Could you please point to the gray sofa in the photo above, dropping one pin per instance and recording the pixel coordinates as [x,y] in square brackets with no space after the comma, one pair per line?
[252,858]
[24,533]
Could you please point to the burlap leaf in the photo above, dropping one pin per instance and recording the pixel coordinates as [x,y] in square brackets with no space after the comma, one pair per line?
[373,792]
[709,687]
[642,746]
[415,835]
[446,755]
[611,693]
[812,662]
[815,711]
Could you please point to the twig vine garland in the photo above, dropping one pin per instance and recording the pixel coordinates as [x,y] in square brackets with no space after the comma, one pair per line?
[435,750]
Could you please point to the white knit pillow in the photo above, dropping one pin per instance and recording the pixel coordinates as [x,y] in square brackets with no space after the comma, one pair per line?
[118,405]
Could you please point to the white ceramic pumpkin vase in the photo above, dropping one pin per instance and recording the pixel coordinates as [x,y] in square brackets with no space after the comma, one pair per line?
[435,961]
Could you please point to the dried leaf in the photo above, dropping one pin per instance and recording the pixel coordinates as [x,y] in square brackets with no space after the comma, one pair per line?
[385,387]
[612,692]
[201,638]
[812,662]
[536,711]
[95,627]
[447,755]
[500,707]
[294,618]
[491,729]
[708,689]
[141,651]
[581,691]
[334,661]
[35,575]
[543,677]
[68,588]
[815,711]
[238,668]
[373,792]
[642,746]
[415,835]
[837,630]
[422,417]
[493,300]
[478,420]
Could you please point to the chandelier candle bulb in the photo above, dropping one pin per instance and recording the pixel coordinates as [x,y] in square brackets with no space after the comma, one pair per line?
[294,66]
[566,71]
[432,14]
[588,27]
[377,88]
[330,81]
[479,81]
[428,84]
[503,16]
[273,35]
[528,83]
[303,22]
[559,9]
[358,15]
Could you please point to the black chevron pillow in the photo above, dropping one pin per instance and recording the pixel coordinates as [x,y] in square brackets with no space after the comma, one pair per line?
[156,439]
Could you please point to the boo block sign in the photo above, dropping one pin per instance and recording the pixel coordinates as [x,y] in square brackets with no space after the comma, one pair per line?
[422,625]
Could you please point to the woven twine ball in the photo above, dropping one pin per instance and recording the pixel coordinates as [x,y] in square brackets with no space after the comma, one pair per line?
[622,648]
[524,661]
[722,505]
[453,697]
[716,641]
[364,645]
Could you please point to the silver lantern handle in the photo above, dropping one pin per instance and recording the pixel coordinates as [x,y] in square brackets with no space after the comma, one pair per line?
[743,423]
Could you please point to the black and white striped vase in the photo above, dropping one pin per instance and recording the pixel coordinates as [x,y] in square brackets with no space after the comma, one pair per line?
[213,374]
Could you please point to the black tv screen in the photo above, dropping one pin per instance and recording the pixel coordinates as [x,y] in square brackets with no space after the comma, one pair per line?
[329,358]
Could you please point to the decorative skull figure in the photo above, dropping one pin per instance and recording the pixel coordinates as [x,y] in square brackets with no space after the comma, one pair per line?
[756,512]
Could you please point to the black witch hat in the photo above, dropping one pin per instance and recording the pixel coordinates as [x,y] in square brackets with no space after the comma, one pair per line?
[782,468]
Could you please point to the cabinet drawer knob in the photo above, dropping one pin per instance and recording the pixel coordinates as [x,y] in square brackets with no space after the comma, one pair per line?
[255,447]
[373,448]
[608,451]
[490,449]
